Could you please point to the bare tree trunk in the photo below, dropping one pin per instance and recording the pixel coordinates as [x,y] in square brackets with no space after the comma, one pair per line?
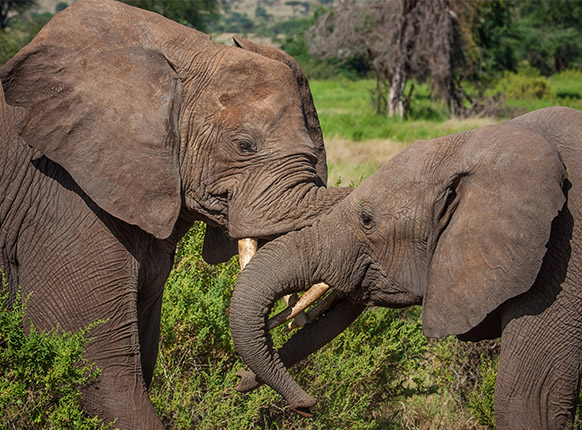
[396,92]
[4,8]
[381,100]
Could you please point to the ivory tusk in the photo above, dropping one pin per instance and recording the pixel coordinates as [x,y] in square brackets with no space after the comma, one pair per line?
[326,304]
[301,318]
[247,248]
[314,293]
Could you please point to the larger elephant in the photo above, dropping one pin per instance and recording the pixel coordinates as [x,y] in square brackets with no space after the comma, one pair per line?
[120,128]
[483,228]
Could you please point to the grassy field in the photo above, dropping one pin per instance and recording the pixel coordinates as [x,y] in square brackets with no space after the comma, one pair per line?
[358,141]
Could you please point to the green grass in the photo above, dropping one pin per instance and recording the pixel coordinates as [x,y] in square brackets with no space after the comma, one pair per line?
[346,111]
[359,141]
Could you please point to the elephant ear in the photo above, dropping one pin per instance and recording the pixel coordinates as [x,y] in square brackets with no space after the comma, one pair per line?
[105,108]
[501,206]
[309,112]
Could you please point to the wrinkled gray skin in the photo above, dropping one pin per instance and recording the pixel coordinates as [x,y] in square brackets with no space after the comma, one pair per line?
[119,129]
[483,228]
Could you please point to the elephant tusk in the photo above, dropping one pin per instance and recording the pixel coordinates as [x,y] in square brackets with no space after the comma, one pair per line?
[323,306]
[314,293]
[301,318]
[247,248]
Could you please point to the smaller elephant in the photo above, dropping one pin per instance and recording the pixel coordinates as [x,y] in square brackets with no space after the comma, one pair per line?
[483,228]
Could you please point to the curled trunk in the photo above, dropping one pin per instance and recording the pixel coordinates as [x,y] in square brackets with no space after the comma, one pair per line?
[308,340]
[256,292]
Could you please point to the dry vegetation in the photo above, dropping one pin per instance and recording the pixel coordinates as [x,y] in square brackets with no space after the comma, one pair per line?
[352,161]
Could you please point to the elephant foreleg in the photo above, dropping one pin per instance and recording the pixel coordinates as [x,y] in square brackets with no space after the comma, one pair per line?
[539,368]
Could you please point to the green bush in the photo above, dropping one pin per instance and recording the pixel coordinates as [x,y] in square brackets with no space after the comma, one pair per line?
[41,374]
[526,84]
[481,401]
[567,84]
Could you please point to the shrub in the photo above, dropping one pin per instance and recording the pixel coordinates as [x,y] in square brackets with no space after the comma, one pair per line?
[380,373]
[368,364]
[566,84]
[41,374]
[526,84]
[481,401]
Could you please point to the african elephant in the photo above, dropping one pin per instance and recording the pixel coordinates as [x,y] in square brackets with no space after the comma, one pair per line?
[483,228]
[119,129]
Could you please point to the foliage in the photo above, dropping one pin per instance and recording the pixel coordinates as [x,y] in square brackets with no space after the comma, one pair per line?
[18,7]
[41,374]
[566,84]
[193,13]
[481,401]
[526,84]
[363,379]
[20,32]
[550,34]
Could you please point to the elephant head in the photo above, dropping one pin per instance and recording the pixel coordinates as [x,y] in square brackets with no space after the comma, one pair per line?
[157,123]
[458,224]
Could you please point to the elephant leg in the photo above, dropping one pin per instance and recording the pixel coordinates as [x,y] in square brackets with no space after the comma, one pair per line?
[153,275]
[539,368]
[88,274]
[121,391]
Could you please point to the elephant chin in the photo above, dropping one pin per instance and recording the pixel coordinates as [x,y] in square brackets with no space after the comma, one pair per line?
[218,246]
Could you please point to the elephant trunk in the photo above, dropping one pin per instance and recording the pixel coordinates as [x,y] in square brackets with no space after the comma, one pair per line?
[257,290]
[301,207]
[308,340]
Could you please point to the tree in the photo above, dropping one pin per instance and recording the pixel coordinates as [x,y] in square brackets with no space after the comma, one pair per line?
[403,39]
[7,7]
[550,33]
[194,13]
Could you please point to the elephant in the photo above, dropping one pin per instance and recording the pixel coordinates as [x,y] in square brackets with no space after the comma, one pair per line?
[482,228]
[120,129]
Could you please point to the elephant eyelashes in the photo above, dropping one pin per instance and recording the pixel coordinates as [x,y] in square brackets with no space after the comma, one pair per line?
[366,218]
[246,147]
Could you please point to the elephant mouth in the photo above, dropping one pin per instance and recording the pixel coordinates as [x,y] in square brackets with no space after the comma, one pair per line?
[382,290]
[214,207]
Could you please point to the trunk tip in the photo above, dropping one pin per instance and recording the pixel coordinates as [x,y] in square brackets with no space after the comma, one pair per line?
[303,407]
[304,412]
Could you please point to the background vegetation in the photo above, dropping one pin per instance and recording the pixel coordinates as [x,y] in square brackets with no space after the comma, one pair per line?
[382,373]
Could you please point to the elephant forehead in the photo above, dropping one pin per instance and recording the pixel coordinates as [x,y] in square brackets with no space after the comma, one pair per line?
[261,108]
[244,72]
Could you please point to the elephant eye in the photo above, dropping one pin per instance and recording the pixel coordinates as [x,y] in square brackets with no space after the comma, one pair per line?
[246,146]
[367,218]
